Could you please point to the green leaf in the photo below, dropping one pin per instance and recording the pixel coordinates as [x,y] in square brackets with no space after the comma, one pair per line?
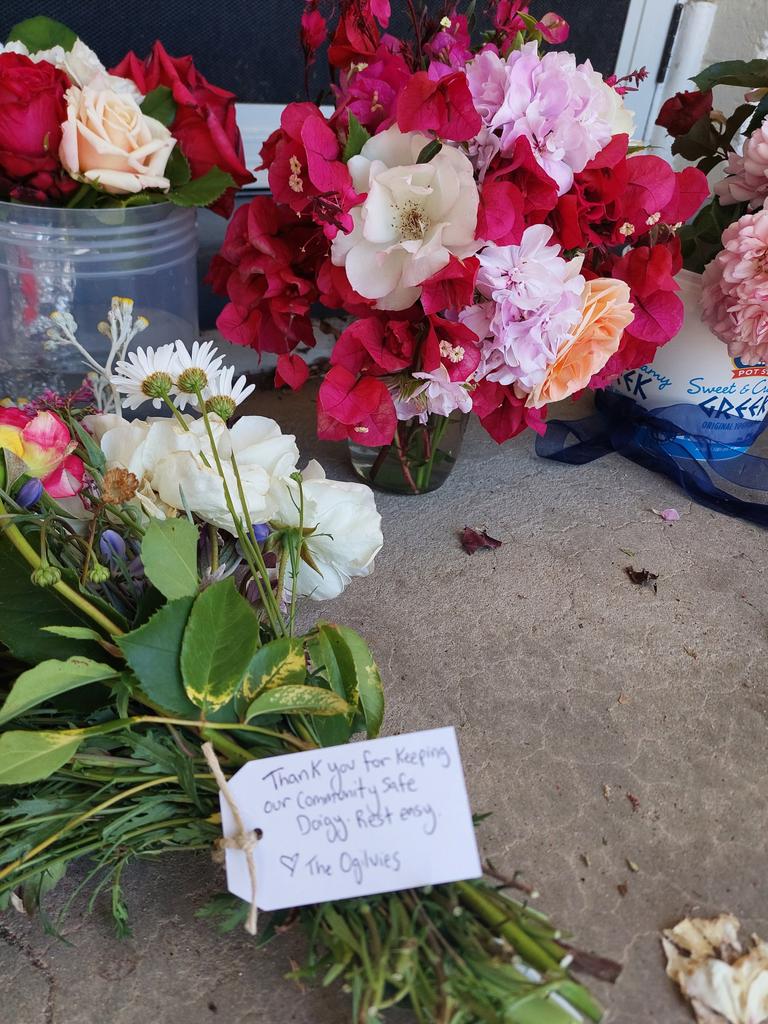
[152,651]
[49,679]
[298,700]
[177,170]
[202,191]
[41,33]
[331,732]
[159,103]
[27,609]
[761,111]
[750,74]
[357,136]
[358,669]
[31,756]
[219,641]
[429,151]
[169,556]
[75,632]
[278,663]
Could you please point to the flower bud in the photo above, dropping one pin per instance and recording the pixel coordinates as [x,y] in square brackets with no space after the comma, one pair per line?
[29,493]
[46,576]
[260,532]
[99,573]
[111,545]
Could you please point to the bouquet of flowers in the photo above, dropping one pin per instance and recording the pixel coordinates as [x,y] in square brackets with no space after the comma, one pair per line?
[475,206]
[728,240]
[73,134]
[151,571]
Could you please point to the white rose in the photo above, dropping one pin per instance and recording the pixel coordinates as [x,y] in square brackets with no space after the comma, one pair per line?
[108,141]
[347,531]
[415,216]
[176,467]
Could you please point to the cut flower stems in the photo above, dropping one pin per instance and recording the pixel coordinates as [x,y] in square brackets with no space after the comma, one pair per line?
[151,574]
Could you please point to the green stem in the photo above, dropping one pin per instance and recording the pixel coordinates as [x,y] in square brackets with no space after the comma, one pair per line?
[28,553]
[498,920]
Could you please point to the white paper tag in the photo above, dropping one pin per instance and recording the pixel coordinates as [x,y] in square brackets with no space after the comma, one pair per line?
[354,820]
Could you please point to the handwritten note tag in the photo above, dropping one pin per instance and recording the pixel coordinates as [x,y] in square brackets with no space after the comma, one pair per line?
[353,820]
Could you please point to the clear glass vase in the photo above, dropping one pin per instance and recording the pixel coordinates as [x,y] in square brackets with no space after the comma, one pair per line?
[74,261]
[419,458]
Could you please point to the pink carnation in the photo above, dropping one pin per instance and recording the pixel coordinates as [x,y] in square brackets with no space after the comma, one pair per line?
[566,111]
[735,289]
[747,178]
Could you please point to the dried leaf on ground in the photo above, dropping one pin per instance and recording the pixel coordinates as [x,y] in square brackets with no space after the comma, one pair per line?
[724,983]
[642,577]
[634,801]
[474,540]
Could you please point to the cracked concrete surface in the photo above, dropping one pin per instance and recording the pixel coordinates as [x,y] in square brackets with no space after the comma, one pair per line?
[570,689]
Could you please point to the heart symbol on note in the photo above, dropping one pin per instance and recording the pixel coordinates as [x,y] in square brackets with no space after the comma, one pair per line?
[290,862]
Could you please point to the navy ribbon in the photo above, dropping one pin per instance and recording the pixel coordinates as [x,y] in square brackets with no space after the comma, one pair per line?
[668,441]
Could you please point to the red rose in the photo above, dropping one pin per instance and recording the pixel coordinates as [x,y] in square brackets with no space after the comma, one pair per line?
[681,112]
[205,123]
[32,110]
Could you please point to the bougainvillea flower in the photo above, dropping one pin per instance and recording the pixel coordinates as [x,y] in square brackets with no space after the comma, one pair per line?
[450,288]
[443,106]
[453,346]
[291,370]
[370,90]
[500,216]
[357,35]
[45,445]
[502,413]
[305,170]
[376,346]
[357,410]
[554,28]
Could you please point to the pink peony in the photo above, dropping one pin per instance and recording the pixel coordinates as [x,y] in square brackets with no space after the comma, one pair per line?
[747,178]
[532,299]
[735,289]
[566,111]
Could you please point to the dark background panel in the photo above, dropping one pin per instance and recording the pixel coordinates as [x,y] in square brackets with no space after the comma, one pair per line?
[252,46]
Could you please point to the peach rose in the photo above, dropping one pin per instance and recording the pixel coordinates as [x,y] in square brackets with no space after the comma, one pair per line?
[595,338]
[107,141]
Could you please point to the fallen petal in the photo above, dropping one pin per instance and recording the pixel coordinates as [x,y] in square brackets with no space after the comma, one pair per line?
[473,540]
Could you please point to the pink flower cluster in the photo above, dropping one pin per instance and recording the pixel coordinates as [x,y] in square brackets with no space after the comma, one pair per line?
[747,173]
[476,208]
[735,289]
[565,110]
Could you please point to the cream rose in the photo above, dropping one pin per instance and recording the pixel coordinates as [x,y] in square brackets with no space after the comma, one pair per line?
[108,141]
[415,216]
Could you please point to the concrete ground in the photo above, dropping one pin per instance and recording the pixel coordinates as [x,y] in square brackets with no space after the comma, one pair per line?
[600,723]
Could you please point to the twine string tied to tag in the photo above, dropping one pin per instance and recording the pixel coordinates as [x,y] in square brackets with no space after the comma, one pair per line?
[244,839]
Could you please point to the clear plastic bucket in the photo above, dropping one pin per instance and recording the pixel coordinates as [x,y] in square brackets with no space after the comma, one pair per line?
[75,261]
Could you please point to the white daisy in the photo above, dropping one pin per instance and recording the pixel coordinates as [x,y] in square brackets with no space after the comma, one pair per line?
[224,394]
[195,370]
[146,374]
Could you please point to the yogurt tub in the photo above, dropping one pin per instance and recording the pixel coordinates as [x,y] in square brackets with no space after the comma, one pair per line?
[725,399]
